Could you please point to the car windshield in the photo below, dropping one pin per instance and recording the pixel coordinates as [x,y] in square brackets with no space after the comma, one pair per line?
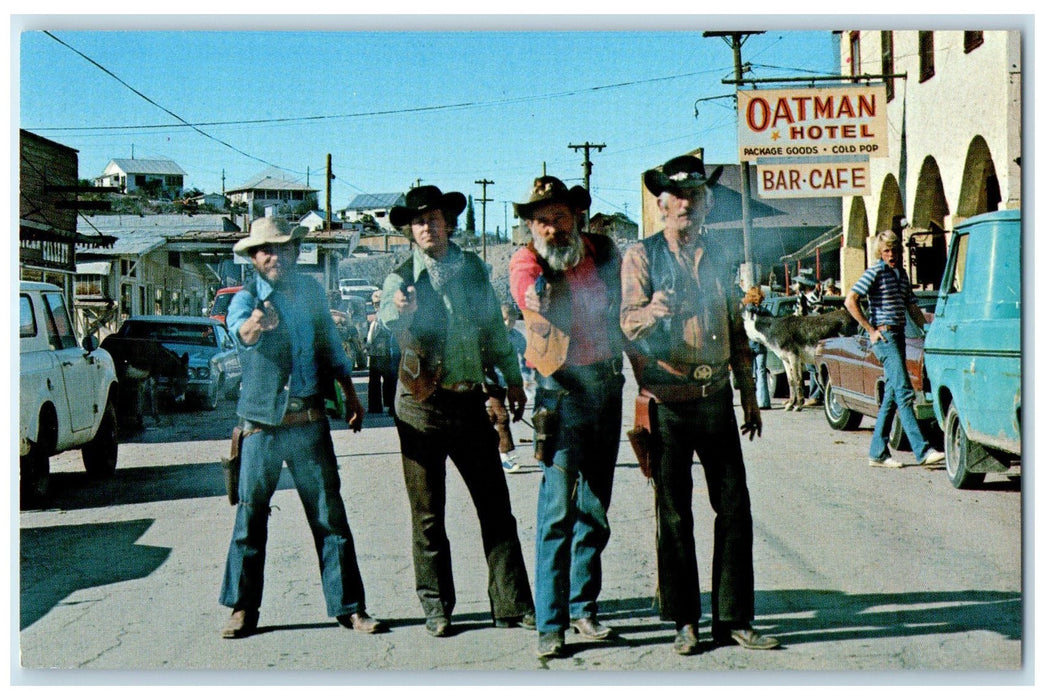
[182,333]
[221,304]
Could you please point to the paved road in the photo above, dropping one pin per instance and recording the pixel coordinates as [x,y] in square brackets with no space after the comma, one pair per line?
[857,569]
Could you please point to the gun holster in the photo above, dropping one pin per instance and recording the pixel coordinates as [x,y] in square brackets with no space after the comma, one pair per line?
[545,424]
[641,434]
[230,466]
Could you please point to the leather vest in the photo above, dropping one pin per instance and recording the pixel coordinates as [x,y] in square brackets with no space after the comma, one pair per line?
[548,335]
[423,344]
[265,388]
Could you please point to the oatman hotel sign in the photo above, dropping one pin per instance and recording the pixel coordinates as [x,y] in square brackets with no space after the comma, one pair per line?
[812,142]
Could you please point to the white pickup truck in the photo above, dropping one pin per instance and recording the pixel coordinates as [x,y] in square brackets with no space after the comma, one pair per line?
[68,392]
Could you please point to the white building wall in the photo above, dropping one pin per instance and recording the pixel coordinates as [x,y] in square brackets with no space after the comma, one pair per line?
[974,94]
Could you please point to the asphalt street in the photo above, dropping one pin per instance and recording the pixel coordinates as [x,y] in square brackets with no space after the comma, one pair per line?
[858,571]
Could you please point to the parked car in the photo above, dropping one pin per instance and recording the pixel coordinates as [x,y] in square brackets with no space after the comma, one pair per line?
[974,352]
[220,306]
[213,364]
[356,287]
[785,306]
[854,382]
[67,390]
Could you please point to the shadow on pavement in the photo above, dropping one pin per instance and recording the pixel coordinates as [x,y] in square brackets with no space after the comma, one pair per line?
[74,490]
[58,561]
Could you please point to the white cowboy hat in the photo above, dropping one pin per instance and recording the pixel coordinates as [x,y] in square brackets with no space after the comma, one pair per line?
[269,231]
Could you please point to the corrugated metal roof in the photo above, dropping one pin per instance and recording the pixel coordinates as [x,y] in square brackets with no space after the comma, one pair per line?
[377,201]
[147,166]
[137,235]
[271,180]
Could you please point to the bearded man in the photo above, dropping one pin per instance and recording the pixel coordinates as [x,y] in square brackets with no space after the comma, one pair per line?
[444,312]
[568,286]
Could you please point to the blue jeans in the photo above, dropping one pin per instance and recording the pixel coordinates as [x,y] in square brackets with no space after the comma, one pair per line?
[898,398]
[761,380]
[574,497]
[309,454]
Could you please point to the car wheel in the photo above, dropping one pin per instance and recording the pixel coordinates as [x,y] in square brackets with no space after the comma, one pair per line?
[961,453]
[35,467]
[34,476]
[210,400]
[838,416]
[99,455]
[897,437]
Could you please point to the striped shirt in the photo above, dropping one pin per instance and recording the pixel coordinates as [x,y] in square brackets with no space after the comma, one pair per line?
[888,292]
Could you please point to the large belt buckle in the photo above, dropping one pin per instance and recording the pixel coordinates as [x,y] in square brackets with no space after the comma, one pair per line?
[703,373]
[295,406]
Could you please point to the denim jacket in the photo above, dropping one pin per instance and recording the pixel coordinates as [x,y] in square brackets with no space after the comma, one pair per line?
[267,365]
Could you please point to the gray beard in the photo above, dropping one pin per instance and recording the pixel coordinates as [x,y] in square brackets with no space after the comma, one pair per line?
[560,257]
[441,272]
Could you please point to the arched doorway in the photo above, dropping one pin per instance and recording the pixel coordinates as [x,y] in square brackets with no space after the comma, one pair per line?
[980,192]
[890,205]
[854,251]
[926,242]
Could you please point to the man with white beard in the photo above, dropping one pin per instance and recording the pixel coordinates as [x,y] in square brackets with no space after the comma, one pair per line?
[567,285]
[444,312]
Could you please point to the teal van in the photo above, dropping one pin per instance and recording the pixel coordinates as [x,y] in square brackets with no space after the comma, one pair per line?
[973,349]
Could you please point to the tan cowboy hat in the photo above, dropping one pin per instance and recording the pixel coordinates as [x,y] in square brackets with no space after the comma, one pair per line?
[680,173]
[269,231]
[550,190]
[423,198]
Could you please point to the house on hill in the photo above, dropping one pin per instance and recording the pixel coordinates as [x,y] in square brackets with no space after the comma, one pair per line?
[155,177]
[373,207]
[271,188]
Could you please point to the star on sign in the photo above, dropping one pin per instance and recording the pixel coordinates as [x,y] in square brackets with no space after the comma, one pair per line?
[775,135]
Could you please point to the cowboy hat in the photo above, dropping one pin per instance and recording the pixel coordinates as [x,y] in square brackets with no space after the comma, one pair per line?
[269,231]
[551,190]
[424,198]
[679,173]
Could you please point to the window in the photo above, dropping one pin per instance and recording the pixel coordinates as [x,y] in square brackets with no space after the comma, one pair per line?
[887,65]
[973,40]
[27,320]
[60,327]
[926,59]
[958,273]
[854,54]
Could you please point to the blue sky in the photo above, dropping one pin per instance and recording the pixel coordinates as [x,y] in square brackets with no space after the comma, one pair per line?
[448,107]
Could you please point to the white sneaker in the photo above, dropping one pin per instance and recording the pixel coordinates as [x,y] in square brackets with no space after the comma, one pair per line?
[887,462]
[508,464]
[933,457]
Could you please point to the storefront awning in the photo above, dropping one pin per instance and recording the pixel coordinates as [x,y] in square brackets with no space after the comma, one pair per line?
[828,241]
[94,268]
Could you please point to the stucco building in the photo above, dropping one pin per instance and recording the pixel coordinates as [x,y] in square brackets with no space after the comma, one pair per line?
[954,139]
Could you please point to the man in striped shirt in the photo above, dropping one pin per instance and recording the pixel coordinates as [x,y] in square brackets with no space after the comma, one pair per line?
[888,292]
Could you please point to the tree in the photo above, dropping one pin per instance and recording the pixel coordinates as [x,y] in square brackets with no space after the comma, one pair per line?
[469,216]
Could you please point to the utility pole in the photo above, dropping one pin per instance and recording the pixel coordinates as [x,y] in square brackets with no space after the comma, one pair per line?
[735,41]
[484,182]
[330,176]
[331,279]
[587,166]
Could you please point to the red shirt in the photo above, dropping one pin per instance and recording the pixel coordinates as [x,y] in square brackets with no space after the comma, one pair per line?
[589,299]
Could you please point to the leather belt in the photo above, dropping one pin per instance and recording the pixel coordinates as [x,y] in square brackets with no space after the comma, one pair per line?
[704,373]
[894,329]
[668,393]
[309,415]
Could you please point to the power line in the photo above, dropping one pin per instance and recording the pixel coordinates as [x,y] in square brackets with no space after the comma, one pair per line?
[156,104]
[350,115]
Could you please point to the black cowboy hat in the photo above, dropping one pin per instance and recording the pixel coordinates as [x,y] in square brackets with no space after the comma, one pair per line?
[550,190]
[679,173]
[423,198]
